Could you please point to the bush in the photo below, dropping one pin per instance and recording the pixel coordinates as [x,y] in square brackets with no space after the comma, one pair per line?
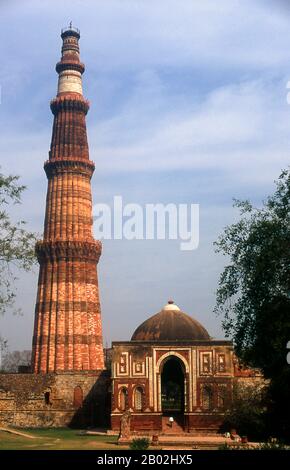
[141,443]
[273,445]
[236,446]
[246,413]
[270,445]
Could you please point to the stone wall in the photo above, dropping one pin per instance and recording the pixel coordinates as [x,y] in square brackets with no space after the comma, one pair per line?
[146,423]
[55,400]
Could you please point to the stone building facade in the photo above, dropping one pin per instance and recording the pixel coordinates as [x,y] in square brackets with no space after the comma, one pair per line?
[173,368]
[55,400]
[170,368]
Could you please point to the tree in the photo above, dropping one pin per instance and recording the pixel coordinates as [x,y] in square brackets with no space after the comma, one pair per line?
[12,360]
[3,350]
[246,412]
[254,290]
[16,244]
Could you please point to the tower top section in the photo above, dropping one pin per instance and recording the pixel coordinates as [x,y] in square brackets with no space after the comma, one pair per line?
[70,31]
[70,68]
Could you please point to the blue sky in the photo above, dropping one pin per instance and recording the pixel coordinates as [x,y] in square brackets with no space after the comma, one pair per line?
[188,105]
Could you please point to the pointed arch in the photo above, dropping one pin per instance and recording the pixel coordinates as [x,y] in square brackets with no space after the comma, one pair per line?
[123,399]
[161,360]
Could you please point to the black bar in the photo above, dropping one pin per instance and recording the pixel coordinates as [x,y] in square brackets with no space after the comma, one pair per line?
[141,459]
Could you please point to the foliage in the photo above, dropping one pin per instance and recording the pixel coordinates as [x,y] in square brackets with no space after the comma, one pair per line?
[235,446]
[263,446]
[272,445]
[108,357]
[12,360]
[257,278]
[3,351]
[141,443]
[279,404]
[246,413]
[253,295]
[16,244]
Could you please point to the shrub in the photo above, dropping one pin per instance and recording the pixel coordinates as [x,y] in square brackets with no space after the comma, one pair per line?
[246,413]
[272,445]
[141,443]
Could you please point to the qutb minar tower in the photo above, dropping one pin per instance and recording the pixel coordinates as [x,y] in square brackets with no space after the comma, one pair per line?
[169,355]
[68,330]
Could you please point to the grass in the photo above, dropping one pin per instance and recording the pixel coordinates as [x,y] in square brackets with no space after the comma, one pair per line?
[56,439]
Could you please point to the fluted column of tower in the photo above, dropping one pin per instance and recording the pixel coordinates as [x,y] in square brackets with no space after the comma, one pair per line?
[67,330]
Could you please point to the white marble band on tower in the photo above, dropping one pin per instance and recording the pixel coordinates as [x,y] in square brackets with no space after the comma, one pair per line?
[70,81]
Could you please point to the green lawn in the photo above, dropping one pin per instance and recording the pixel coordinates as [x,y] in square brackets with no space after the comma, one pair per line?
[56,439]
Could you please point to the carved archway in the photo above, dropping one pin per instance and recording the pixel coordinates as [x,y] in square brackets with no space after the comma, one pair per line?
[173,386]
[166,356]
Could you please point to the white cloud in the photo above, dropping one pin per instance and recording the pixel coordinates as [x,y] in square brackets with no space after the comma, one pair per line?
[132,34]
[235,128]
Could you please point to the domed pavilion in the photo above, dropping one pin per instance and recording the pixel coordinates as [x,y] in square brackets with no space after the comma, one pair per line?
[171,368]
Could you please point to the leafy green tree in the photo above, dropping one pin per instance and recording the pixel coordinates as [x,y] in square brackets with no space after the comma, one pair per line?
[253,295]
[16,243]
[246,412]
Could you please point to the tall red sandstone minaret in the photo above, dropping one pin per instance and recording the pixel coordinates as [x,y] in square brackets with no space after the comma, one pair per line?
[68,330]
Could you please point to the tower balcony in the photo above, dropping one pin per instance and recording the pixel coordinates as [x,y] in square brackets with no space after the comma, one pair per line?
[70,31]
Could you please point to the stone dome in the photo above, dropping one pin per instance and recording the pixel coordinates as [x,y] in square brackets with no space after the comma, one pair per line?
[170,324]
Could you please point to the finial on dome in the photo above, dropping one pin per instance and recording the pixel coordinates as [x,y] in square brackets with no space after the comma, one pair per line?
[170,305]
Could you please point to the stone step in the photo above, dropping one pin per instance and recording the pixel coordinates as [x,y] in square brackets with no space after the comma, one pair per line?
[175,428]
